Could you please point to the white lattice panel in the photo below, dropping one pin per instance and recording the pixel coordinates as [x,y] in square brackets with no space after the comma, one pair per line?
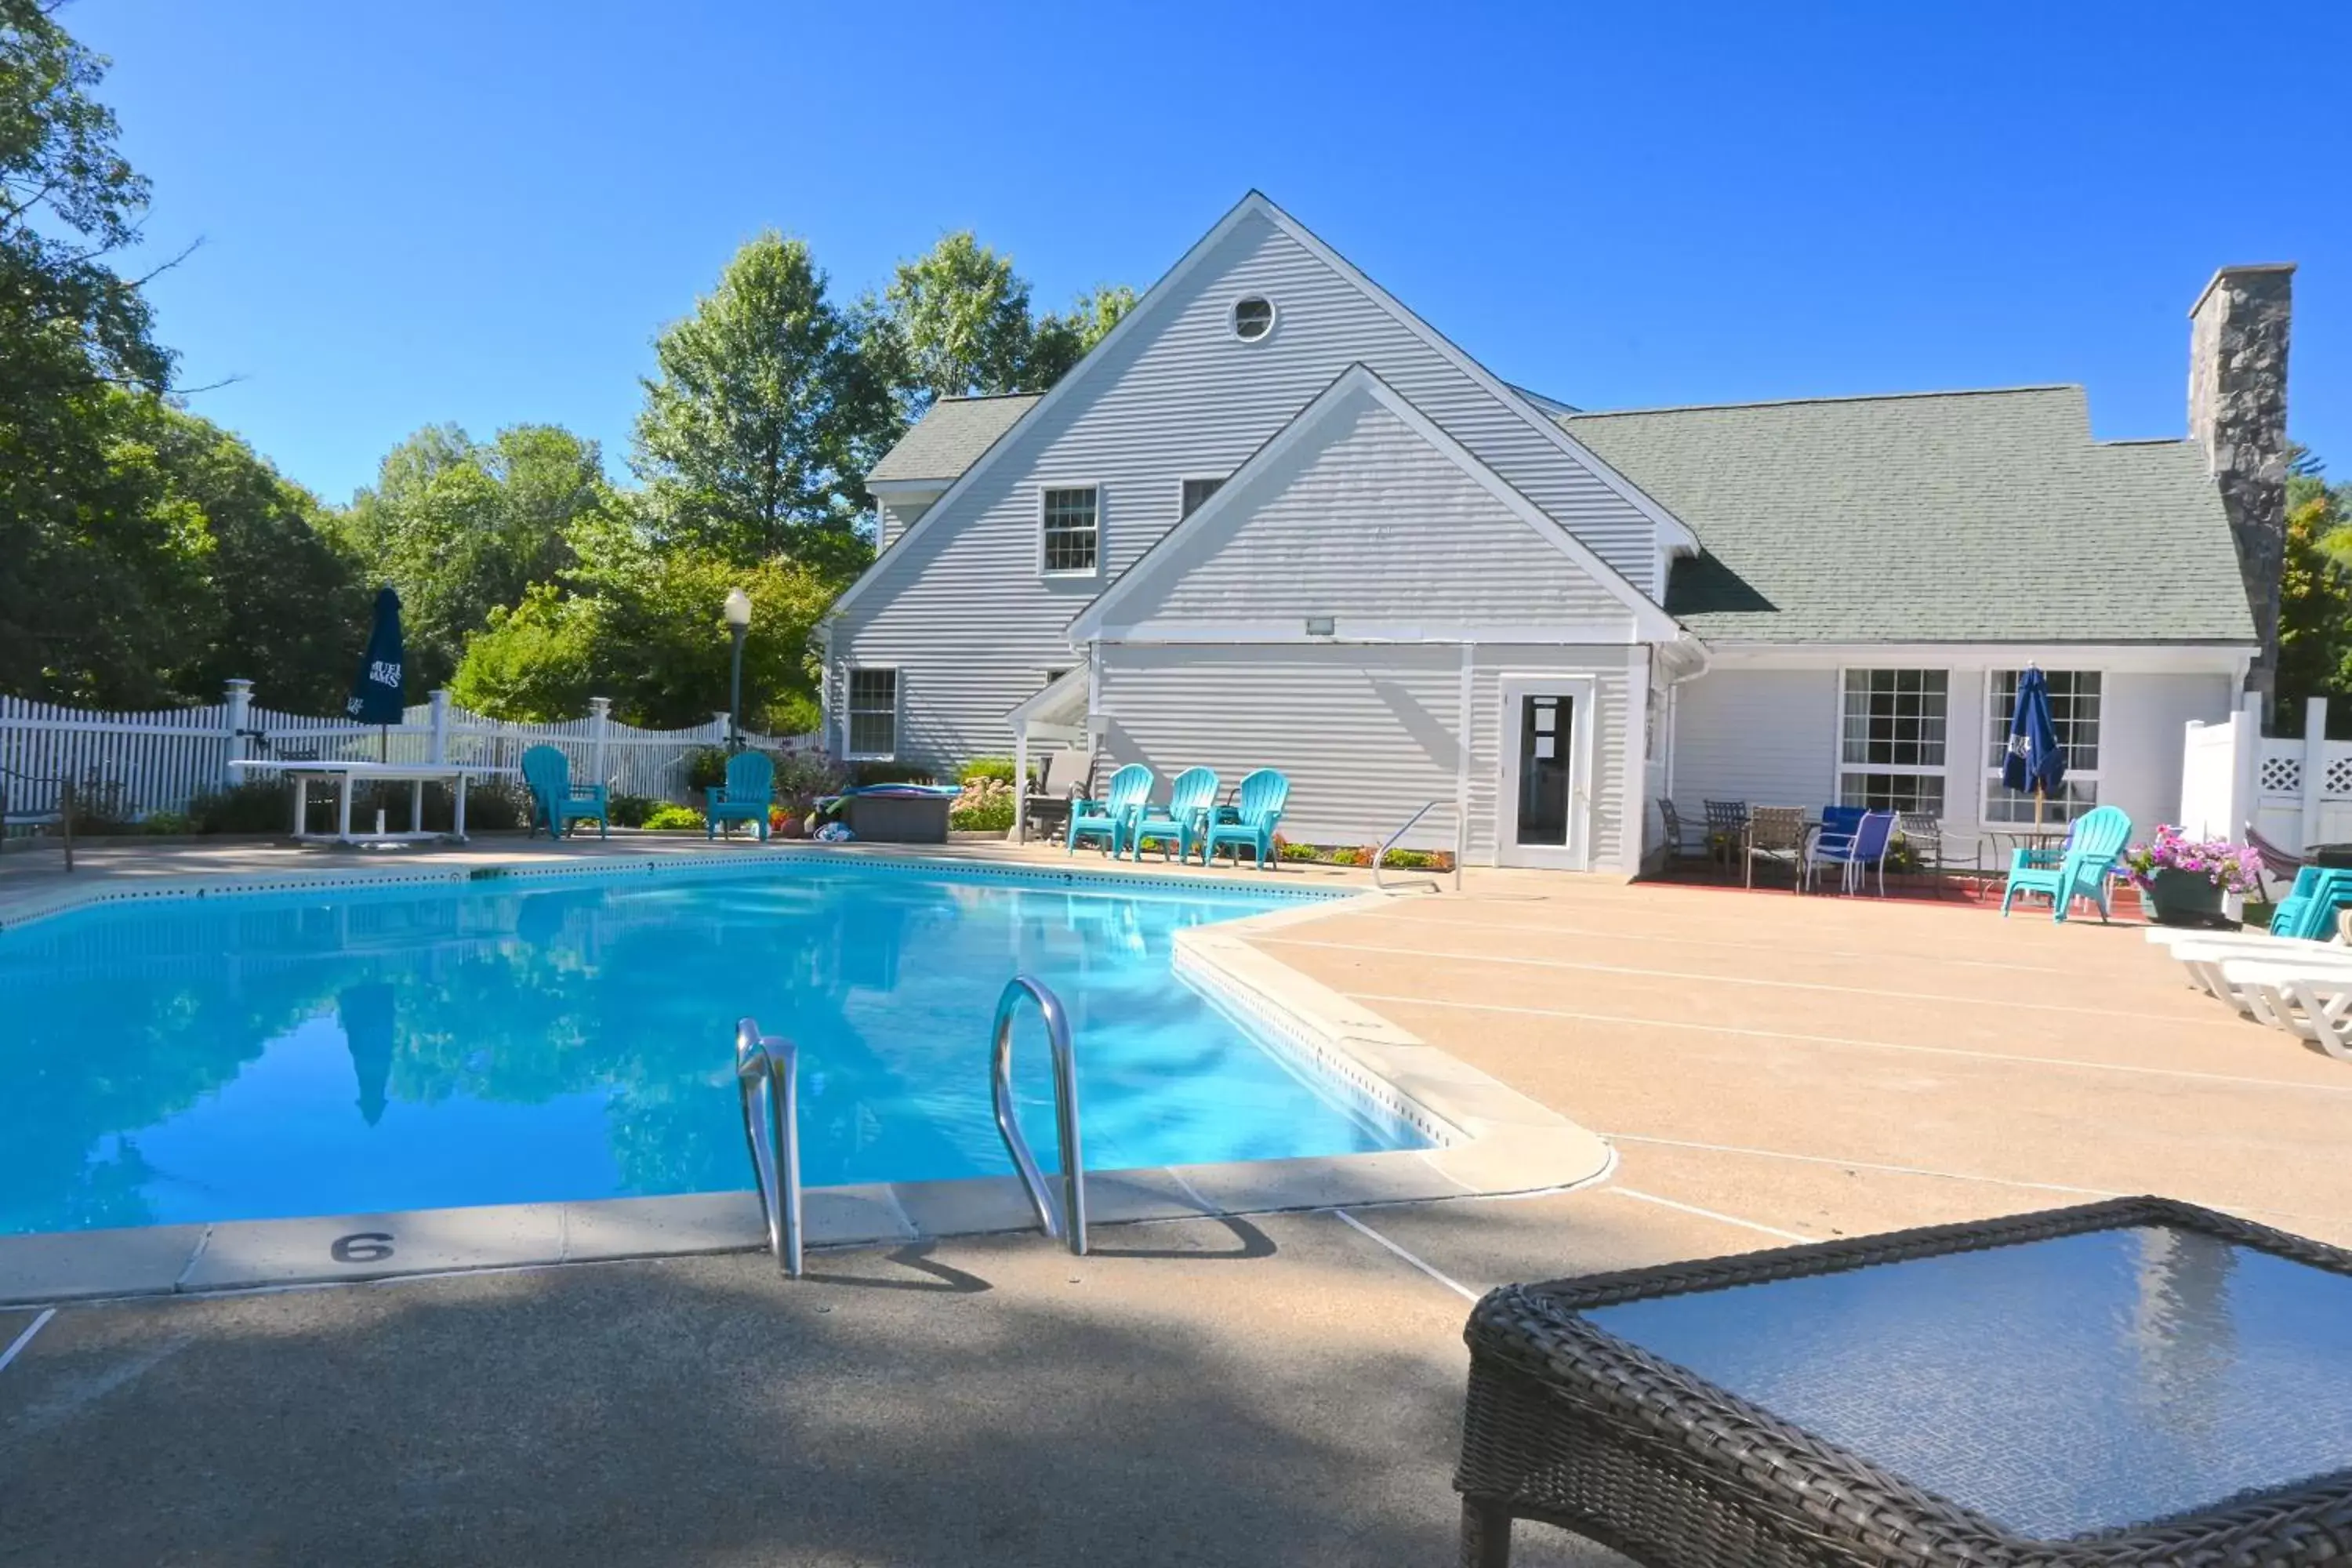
[2336,781]
[2282,775]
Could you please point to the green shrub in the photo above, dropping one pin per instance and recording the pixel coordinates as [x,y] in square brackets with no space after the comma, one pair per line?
[802,776]
[165,822]
[891,773]
[257,805]
[1411,860]
[997,768]
[706,767]
[992,819]
[671,816]
[631,810]
[1286,851]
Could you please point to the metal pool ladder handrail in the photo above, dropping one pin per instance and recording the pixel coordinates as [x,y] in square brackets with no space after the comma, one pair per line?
[772,1061]
[1461,843]
[1070,1226]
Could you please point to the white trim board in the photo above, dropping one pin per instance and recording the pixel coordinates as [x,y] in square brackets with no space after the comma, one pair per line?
[2130,659]
[1649,624]
[1583,691]
[1672,530]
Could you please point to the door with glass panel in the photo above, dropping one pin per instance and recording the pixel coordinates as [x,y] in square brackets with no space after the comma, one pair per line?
[1545,796]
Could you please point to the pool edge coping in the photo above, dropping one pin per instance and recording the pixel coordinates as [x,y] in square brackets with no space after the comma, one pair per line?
[1489,1140]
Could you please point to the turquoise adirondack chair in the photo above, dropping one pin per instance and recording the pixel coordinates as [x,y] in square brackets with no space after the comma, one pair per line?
[2077,870]
[1111,818]
[1256,808]
[2309,910]
[1184,820]
[556,803]
[751,786]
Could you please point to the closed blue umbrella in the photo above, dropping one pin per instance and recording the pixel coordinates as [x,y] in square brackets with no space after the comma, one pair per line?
[2035,760]
[376,690]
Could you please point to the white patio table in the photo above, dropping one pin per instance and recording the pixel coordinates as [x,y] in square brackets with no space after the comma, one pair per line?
[344,772]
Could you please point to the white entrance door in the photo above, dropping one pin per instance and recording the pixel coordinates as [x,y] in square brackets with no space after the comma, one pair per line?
[1543,803]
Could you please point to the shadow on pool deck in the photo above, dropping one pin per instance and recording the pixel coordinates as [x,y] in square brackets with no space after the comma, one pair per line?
[1280,1391]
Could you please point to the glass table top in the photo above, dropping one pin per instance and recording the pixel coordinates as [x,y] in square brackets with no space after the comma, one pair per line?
[2057,1387]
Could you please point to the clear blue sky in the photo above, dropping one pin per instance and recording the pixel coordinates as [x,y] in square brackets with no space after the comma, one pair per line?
[482,212]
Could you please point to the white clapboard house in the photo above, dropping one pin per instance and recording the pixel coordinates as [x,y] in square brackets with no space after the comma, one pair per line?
[1275,519]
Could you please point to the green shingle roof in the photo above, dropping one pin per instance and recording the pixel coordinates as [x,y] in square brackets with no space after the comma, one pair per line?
[1934,517]
[951,438]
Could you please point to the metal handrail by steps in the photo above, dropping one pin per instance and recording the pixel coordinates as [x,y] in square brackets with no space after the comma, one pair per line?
[1070,1226]
[1460,844]
[770,1062]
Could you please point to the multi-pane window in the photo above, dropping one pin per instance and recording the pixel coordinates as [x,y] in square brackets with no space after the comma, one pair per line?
[1892,739]
[1195,492]
[873,712]
[1073,532]
[2074,712]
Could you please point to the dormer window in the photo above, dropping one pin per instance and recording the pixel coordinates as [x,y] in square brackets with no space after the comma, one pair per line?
[1253,318]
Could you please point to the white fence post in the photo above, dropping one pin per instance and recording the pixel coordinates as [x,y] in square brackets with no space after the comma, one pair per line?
[2315,766]
[238,720]
[600,729]
[438,745]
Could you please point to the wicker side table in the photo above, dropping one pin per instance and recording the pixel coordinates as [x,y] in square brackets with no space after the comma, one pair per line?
[2135,1382]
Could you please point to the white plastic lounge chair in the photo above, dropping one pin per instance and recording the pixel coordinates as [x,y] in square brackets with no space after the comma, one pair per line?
[2311,1000]
[2203,961]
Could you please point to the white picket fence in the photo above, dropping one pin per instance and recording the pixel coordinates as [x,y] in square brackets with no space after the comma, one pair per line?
[2297,792]
[140,763]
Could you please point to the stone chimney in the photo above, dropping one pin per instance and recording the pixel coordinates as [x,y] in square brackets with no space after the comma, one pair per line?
[2237,418]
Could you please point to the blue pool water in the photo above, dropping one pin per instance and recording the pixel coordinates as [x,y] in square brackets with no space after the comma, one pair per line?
[273,1055]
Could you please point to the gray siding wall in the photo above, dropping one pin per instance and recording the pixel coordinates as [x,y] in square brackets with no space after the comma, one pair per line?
[1765,736]
[960,608]
[1367,734]
[1366,521]
[893,518]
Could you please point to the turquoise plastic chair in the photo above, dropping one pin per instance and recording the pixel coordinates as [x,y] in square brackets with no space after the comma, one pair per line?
[750,788]
[556,803]
[2310,907]
[2080,868]
[1251,820]
[1184,820]
[1112,817]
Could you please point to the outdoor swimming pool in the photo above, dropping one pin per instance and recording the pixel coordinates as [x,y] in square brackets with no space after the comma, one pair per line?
[273,1055]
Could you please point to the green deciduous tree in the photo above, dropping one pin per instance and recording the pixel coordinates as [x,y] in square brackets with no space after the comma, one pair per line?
[956,322]
[756,431]
[638,621]
[463,527]
[2315,590]
[1062,340]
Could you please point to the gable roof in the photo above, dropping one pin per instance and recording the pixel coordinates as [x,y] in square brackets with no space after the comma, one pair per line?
[949,437]
[1650,623]
[1673,533]
[1932,517]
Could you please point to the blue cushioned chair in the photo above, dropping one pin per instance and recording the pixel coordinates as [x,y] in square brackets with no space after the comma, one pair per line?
[1112,818]
[556,803]
[749,789]
[1251,819]
[2080,868]
[1184,820]
[1852,841]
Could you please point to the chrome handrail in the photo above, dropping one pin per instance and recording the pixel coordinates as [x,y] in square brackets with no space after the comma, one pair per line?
[772,1061]
[1381,854]
[1070,1226]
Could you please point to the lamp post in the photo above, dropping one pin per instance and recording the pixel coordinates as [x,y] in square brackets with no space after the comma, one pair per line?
[738,621]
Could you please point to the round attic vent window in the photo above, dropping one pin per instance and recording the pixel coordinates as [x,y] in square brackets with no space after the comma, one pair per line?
[1253,319]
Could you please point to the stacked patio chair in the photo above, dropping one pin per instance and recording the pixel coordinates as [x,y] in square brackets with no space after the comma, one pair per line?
[1066,777]
[1678,834]
[1777,834]
[1726,827]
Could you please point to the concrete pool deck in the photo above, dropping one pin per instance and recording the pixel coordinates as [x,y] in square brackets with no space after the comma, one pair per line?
[1274,1389]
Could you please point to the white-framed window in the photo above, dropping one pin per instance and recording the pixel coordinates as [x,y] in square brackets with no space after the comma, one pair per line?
[1891,740]
[1253,318]
[2074,704]
[873,714]
[1070,529]
[1193,494]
